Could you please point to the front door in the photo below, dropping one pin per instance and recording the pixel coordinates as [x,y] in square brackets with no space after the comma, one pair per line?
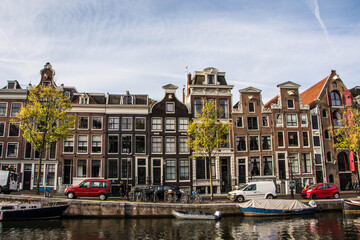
[68,168]
[141,171]
[242,172]
[224,176]
[27,177]
[156,171]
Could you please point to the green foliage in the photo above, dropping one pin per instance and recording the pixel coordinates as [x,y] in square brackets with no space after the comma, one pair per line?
[207,134]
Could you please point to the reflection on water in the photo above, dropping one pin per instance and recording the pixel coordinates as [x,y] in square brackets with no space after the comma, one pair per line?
[320,226]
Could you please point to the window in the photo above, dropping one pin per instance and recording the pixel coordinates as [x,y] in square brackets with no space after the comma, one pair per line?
[183,147]
[12,150]
[113,144]
[318,158]
[27,151]
[335,98]
[305,139]
[266,142]
[84,100]
[170,145]
[139,144]
[291,120]
[156,145]
[306,162]
[170,170]
[210,79]
[327,134]
[239,122]
[268,165]
[113,168]
[83,122]
[96,143]
[170,107]
[316,141]
[69,145]
[314,122]
[95,168]
[290,104]
[324,113]
[337,119]
[251,107]
[254,143]
[294,162]
[126,166]
[126,144]
[184,169]
[3,108]
[52,150]
[139,123]
[2,129]
[96,122]
[127,100]
[14,129]
[224,112]
[197,106]
[113,123]
[183,124]
[156,124]
[126,123]
[170,124]
[1,149]
[254,166]
[252,123]
[328,156]
[293,139]
[81,168]
[202,169]
[240,143]
[280,137]
[303,118]
[334,84]
[82,143]
[279,119]
[265,121]
[15,108]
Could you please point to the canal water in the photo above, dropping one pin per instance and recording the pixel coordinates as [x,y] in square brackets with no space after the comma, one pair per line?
[320,226]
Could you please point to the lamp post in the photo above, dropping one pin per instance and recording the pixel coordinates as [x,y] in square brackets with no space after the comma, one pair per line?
[290,158]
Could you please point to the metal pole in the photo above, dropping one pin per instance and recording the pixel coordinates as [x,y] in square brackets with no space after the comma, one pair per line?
[291,177]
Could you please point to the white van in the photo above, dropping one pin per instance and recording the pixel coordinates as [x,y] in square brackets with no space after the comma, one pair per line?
[253,190]
[9,181]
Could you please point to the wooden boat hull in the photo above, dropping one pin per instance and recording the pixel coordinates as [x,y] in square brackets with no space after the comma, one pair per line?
[350,207]
[196,216]
[35,213]
[260,212]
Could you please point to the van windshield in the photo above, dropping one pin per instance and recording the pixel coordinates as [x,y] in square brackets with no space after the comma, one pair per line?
[243,186]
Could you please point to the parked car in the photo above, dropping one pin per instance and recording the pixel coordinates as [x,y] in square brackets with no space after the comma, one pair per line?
[161,189]
[321,190]
[254,190]
[90,188]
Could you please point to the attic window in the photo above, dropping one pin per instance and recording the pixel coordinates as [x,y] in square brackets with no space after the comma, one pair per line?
[127,100]
[210,79]
[334,84]
[84,100]
[11,85]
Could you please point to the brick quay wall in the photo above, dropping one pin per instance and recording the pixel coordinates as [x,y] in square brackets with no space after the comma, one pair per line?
[124,209]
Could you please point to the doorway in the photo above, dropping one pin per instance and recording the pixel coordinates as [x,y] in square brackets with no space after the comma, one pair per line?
[27,177]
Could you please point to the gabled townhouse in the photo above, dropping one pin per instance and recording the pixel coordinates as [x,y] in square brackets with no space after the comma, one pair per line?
[293,151]
[127,139]
[211,85]
[169,153]
[327,100]
[253,138]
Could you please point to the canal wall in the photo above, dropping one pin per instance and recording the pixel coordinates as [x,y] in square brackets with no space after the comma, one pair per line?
[111,208]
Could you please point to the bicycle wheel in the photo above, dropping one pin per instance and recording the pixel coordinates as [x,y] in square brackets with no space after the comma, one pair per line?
[169,198]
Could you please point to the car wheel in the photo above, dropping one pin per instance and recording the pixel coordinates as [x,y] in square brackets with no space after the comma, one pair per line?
[71,195]
[102,197]
[313,196]
[270,196]
[240,198]
[336,195]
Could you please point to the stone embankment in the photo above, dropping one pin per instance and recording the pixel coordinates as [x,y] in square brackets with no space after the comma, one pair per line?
[112,208]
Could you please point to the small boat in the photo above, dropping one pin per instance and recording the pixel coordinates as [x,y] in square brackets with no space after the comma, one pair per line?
[197,216]
[29,211]
[350,206]
[276,207]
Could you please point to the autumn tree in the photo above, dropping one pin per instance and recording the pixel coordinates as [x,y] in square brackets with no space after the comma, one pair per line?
[45,120]
[348,135]
[207,134]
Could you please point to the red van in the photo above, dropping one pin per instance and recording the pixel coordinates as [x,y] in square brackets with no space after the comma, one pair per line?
[90,188]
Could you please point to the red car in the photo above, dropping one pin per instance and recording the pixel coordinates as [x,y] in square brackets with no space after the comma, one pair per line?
[90,188]
[321,190]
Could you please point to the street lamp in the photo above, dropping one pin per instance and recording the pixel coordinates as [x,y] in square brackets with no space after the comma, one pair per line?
[290,158]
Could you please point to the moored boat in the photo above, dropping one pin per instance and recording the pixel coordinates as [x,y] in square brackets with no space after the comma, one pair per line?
[14,211]
[276,207]
[197,216]
[350,206]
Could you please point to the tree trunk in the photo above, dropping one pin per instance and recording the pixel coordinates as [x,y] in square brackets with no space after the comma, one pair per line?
[211,185]
[38,174]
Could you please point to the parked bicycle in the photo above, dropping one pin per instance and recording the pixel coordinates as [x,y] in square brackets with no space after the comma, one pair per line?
[196,197]
[171,196]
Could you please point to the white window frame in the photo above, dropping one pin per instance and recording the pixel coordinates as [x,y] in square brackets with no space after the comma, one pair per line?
[258,143]
[305,118]
[127,124]
[14,114]
[17,149]
[267,121]
[241,136]
[65,140]
[87,143]
[182,122]
[287,103]
[140,129]
[269,137]
[283,139]
[111,121]
[3,129]
[279,120]
[92,142]
[167,124]
[173,150]
[181,147]
[253,106]
[87,123]
[160,143]
[156,120]
[242,122]
[6,107]
[101,120]
[298,139]
[293,120]
[167,105]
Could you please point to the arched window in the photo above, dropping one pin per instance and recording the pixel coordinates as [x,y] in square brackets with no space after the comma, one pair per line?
[328,156]
[337,119]
[343,162]
[334,84]
[335,98]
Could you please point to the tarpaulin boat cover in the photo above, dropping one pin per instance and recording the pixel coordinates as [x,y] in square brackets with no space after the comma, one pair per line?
[275,204]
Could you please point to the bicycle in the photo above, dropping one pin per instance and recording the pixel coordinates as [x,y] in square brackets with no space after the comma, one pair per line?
[196,197]
[171,196]
[185,196]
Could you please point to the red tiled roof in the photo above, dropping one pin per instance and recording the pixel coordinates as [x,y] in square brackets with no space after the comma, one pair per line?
[273,100]
[309,95]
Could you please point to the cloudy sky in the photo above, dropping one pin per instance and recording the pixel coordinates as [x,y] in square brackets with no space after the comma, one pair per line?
[113,46]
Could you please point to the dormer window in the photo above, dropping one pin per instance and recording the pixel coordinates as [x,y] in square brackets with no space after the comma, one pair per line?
[334,84]
[251,107]
[84,100]
[170,107]
[127,100]
[11,85]
[67,94]
[210,79]
[290,103]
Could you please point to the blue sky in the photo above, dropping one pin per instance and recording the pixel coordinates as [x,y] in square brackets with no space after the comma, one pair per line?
[113,46]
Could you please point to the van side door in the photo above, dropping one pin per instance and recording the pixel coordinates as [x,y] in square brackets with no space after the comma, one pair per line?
[83,189]
[251,191]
